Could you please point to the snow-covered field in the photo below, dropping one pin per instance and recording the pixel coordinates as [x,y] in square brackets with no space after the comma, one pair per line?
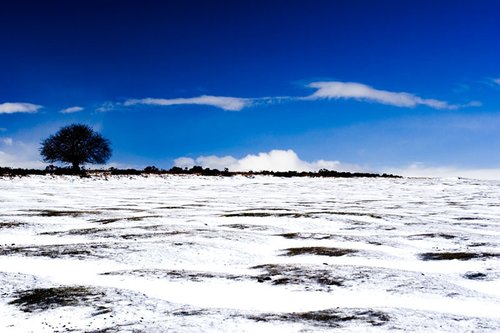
[263,254]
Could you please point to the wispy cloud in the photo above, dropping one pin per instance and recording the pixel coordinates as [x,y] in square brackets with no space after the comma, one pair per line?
[359,91]
[6,141]
[324,90]
[108,106]
[497,81]
[274,160]
[19,108]
[72,109]
[221,102]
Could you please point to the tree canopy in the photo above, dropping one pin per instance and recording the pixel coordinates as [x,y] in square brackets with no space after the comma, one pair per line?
[76,144]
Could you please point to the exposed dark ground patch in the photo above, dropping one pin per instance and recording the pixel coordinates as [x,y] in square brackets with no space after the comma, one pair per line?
[329,277]
[110,220]
[434,235]
[475,276]
[195,276]
[149,235]
[333,318]
[312,214]
[242,226]
[9,225]
[59,213]
[76,232]
[359,214]
[41,299]
[188,313]
[308,277]
[258,209]
[318,251]
[325,236]
[267,214]
[108,232]
[121,208]
[130,218]
[152,227]
[469,218]
[305,235]
[80,251]
[476,244]
[170,207]
[106,309]
[457,255]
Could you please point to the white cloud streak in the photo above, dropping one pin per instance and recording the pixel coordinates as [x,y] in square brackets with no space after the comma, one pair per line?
[497,81]
[221,102]
[359,91]
[324,90]
[72,109]
[19,108]
[275,160]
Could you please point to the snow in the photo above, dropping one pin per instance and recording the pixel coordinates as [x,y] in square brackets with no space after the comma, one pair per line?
[214,254]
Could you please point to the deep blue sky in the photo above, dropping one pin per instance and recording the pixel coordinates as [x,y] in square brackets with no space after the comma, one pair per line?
[61,54]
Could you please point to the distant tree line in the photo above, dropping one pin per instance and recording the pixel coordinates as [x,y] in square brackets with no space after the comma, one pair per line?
[196,170]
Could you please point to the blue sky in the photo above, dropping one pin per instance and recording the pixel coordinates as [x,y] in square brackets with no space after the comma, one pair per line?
[407,86]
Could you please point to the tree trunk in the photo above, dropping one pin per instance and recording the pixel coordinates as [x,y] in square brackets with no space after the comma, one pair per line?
[76,167]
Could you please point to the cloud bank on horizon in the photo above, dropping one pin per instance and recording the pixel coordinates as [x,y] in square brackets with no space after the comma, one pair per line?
[288,160]
[274,160]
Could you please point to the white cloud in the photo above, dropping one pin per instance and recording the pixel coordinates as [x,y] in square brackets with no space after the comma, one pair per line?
[108,106]
[6,141]
[275,160]
[216,162]
[19,108]
[184,162]
[21,155]
[497,81]
[421,170]
[19,161]
[222,102]
[72,109]
[472,104]
[359,91]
